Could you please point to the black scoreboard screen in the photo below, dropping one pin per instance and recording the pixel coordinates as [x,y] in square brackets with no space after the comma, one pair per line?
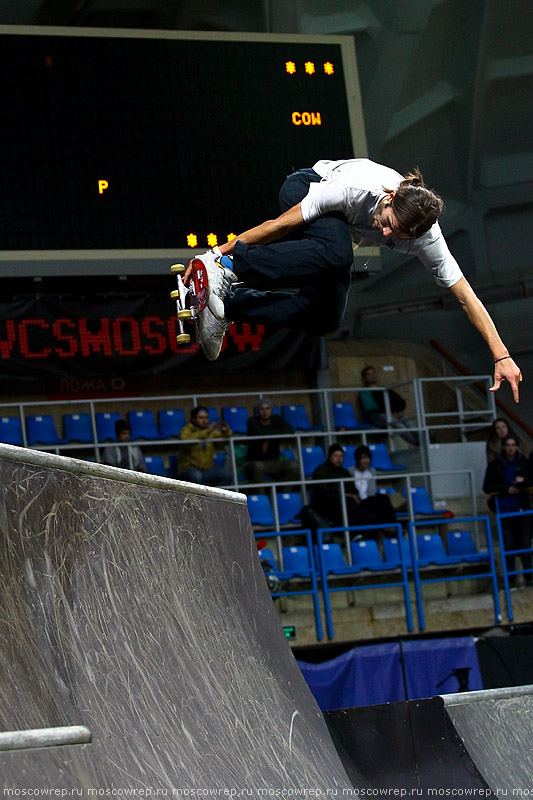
[138,140]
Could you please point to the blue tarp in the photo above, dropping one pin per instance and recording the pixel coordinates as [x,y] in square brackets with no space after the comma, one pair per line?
[372,674]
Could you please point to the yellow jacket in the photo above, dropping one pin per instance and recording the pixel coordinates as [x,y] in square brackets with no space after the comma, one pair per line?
[201,455]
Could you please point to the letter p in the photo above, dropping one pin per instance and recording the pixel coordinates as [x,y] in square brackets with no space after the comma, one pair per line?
[102,186]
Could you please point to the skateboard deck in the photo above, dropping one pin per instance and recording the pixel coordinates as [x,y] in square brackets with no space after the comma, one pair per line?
[190,300]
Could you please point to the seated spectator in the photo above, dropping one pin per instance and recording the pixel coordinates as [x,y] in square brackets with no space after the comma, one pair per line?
[325,510]
[506,478]
[374,411]
[372,508]
[498,431]
[263,457]
[125,457]
[197,461]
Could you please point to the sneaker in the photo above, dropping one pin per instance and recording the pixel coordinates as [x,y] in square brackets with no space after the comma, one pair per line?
[219,279]
[212,332]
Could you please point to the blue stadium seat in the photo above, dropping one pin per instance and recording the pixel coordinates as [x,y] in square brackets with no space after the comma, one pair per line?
[171,421]
[143,425]
[381,459]
[78,428]
[296,560]
[105,425]
[312,458]
[41,429]
[421,502]
[391,552]
[289,505]
[173,462]
[288,454]
[431,550]
[297,417]
[212,414]
[344,417]
[236,417]
[366,555]
[460,543]
[220,458]
[349,456]
[155,465]
[333,560]
[11,430]
[260,509]
[266,554]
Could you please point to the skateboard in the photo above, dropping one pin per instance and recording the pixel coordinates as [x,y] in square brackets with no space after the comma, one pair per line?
[190,300]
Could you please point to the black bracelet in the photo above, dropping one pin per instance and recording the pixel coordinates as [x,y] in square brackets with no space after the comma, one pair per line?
[501,359]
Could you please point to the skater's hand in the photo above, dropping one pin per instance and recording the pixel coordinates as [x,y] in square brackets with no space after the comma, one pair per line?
[187,277]
[507,370]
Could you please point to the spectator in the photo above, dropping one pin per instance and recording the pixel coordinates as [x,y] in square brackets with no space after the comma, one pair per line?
[372,508]
[263,455]
[374,410]
[197,461]
[325,510]
[128,457]
[506,477]
[498,431]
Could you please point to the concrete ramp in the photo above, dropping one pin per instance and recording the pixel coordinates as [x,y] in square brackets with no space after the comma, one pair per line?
[135,606]
[473,742]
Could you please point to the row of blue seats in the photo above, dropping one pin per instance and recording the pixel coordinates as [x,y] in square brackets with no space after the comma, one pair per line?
[41,428]
[366,554]
[290,504]
[329,564]
[312,457]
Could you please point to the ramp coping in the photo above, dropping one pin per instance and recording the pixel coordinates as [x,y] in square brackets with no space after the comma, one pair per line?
[486,694]
[76,466]
[44,737]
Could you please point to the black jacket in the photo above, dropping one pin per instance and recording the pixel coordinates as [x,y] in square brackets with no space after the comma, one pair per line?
[495,479]
[254,428]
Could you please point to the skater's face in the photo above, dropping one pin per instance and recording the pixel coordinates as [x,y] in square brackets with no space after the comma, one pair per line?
[385,219]
[336,458]
[202,419]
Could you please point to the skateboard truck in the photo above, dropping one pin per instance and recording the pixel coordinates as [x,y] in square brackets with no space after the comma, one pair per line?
[191,300]
[180,296]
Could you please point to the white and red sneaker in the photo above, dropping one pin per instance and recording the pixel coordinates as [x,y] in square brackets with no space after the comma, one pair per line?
[211,282]
[211,333]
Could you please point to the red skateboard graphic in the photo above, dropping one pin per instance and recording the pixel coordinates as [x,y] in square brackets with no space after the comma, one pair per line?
[191,300]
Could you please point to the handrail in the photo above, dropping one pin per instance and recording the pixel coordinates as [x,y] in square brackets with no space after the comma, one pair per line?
[465,371]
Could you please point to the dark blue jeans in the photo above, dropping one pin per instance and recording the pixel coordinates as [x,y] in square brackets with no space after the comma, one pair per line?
[316,261]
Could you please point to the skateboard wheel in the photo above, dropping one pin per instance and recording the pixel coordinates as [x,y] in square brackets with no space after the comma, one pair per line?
[185,313]
[183,338]
[175,294]
[178,269]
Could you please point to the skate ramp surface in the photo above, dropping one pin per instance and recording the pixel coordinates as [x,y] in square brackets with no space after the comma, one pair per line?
[472,742]
[136,606]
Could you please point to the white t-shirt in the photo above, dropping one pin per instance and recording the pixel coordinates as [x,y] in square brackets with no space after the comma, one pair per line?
[364,482]
[354,188]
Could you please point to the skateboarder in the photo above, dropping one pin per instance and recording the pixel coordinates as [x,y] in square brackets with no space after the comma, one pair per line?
[325,209]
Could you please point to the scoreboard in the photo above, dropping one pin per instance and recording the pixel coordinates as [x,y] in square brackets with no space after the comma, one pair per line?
[133,147]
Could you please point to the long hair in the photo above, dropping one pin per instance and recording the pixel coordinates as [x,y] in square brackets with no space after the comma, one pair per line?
[415,206]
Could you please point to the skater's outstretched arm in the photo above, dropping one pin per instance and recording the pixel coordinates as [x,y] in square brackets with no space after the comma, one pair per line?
[505,369]
[268,231]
